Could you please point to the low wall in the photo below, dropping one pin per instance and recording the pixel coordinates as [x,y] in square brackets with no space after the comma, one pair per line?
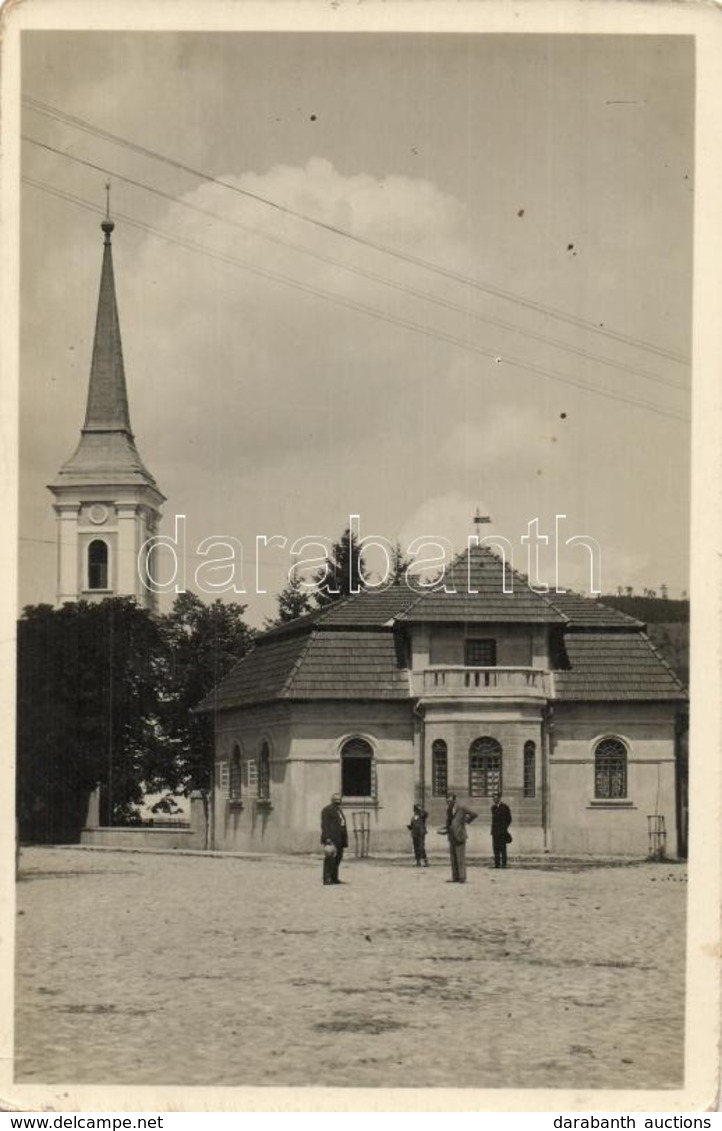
[191,836]
[142,836]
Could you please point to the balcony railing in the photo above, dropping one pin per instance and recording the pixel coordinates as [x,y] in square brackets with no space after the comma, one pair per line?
[461,683]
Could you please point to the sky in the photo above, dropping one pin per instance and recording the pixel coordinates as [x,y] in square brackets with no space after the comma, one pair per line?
[514,340]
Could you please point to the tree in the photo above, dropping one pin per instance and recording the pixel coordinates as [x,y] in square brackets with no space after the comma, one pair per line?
[105,697]
[399,564]
[293,601]
[342,572]
[201,644]
[87,713]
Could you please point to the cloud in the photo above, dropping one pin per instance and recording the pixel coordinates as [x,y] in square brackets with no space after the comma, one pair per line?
[511,440]
[449,516]
[257,367]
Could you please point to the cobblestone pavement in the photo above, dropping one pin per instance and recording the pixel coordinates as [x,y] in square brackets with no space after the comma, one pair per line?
[198,970]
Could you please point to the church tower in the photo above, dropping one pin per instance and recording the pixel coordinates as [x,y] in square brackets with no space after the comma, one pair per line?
[106,501]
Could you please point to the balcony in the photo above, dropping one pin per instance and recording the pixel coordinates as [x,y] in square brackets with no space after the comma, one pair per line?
[479,683]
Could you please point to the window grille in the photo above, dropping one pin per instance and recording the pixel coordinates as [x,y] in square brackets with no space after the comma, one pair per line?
[439,769]
[530,769]
[222,778]
[484,767]
[610,769]
[480,653]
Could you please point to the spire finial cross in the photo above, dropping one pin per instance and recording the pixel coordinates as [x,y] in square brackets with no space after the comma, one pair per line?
[107,200]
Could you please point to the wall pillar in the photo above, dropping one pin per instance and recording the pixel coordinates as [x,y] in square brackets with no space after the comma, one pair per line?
[125,580]
[67,551]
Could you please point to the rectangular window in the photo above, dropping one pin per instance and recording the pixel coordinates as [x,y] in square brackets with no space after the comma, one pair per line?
[480,653]
[484,774]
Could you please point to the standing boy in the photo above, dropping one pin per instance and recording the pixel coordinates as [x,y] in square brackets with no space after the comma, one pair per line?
[417,828]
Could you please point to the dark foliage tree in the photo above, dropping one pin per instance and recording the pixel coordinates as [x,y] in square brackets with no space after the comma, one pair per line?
[399,565]
[87,713]
[293,601]
[105,697]
[201,644]
[342,572]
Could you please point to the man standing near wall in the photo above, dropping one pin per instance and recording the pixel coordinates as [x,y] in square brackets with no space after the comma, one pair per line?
[457,818]
[334,835]
[500,837]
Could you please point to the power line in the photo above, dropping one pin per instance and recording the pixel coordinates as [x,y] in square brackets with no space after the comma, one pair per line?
[424,295]
[82,124]
[350,304]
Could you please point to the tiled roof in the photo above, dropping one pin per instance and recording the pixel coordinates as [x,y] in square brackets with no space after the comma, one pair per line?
[586,612]
[477,580]
[350,665]
[261,675]
[371,607]
[315,665]
[615,665]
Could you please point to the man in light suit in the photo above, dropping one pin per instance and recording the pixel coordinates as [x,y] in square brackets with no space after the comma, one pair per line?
[335,833]
[457,818]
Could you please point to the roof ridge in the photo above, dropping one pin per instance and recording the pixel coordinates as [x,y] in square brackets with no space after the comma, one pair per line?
[501,561]
[653,648]
[288,682]
[632,621]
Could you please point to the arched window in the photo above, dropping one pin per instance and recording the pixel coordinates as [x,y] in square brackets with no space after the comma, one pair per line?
[484,767]
[610,769]
[357,769]
[98,564]
[234,784]
[264,773]
[439,768]
[530,769]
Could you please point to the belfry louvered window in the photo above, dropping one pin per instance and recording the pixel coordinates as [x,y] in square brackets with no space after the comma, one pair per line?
[98,564]
[610,769]
[484,767]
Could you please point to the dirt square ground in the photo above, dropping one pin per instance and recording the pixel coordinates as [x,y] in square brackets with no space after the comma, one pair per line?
[219,970]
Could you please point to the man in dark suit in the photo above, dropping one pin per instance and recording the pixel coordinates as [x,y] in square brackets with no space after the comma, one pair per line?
[333,835]
[500,821]
[457,818]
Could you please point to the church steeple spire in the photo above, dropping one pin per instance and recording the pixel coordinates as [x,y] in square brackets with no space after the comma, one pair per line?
[107,502]
[107,407]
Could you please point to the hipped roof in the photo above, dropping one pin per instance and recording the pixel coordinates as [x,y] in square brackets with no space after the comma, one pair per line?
[615,666]
[354,648]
